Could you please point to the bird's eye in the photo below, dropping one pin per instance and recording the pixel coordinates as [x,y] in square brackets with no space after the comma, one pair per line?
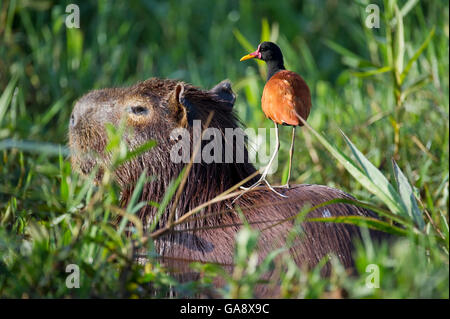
[138,110]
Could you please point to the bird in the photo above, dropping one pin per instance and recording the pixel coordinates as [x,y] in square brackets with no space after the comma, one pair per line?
[286,97]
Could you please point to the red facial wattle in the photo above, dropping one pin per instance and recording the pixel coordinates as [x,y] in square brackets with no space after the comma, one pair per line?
[252,55]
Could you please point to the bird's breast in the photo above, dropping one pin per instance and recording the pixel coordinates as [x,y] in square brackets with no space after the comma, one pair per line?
[285,96]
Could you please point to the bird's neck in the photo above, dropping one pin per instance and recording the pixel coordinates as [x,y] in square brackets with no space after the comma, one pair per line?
[273,67]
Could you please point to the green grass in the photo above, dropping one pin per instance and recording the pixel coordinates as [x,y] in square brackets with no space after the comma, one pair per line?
[387,89]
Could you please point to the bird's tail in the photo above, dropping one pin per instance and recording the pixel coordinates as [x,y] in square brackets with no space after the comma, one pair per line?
[302,120]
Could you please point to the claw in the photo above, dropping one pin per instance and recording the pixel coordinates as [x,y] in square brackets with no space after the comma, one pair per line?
[283,186]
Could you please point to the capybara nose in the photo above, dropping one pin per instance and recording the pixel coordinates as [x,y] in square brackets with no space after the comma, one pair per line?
[73,120]
[77,113]
[82,109]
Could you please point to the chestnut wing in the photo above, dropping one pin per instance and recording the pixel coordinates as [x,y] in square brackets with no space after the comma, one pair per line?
[285,95]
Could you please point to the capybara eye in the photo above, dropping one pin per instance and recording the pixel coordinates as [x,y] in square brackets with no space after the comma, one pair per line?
[138,110]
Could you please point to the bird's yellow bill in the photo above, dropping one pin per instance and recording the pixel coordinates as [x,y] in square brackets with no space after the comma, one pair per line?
[248,57]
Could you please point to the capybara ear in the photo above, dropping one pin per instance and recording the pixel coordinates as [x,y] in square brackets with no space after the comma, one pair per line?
[224,92]
[177,106]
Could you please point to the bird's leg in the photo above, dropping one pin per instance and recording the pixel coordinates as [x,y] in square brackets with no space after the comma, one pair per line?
[291,154]
[266,170]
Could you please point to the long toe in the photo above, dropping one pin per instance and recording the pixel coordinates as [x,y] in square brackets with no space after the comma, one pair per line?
[247,189]
[273,190]
[254,185]
[282,186]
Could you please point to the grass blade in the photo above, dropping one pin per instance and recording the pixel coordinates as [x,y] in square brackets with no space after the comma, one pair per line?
[381,70]
[265,30]
[170,192]
[134,197]
[138,151]
[353,59]
[392,198]
[359,174]
[399,45]
[6,97]
[362,221]
[35,147]
[407,196]
[243,40]
[416,55]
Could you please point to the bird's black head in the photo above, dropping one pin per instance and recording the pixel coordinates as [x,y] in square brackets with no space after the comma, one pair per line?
[271,54]
[268,52]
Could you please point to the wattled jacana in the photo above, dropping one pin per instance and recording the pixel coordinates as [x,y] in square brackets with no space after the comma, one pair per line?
[285,98]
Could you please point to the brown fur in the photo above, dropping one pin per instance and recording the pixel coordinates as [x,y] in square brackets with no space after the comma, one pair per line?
[172,104]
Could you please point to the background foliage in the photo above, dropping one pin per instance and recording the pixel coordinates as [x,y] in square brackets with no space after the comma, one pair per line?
[386,88]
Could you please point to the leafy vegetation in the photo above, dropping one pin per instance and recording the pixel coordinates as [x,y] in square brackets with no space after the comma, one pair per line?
[387,89]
